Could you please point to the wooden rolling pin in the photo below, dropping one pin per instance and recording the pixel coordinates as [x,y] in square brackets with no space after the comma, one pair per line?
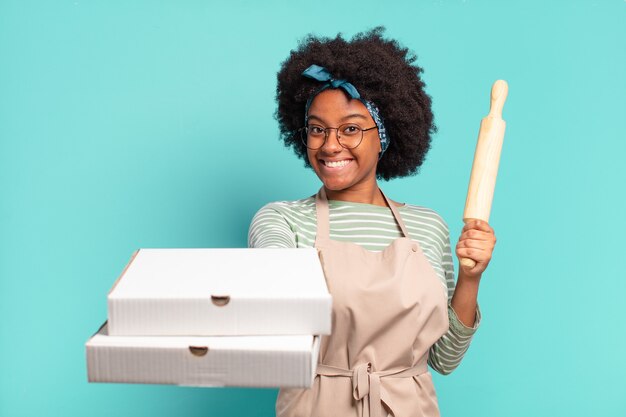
[486,159]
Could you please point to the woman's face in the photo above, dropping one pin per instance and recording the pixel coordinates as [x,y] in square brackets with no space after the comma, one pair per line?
[342,169]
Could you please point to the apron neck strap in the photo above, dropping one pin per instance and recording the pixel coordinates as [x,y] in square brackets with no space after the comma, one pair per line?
[322,212]
[396,214]
[323,216]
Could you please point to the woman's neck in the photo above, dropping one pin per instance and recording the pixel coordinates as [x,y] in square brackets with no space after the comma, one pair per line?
[366,195]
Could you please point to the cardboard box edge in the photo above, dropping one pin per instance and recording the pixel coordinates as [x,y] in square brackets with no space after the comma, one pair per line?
[132,258]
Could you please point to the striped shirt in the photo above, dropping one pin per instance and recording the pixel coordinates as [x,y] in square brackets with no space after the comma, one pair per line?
[293,224]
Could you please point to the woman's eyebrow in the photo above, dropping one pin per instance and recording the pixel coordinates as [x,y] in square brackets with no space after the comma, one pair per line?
[312,116]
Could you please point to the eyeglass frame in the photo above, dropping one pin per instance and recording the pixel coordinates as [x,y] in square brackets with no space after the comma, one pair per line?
[304,137]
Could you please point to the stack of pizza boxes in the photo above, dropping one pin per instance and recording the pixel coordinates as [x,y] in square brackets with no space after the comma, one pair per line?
[214,317]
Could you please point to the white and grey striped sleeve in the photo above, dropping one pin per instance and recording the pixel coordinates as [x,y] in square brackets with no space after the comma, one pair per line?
[269,229]
[446,354]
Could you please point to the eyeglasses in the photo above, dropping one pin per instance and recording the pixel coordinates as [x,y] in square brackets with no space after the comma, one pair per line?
[349,135]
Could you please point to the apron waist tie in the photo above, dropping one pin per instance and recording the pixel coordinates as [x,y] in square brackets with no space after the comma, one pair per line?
[366,383]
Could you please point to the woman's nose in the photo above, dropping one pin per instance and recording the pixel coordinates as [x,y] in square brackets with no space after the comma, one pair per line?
[332,145]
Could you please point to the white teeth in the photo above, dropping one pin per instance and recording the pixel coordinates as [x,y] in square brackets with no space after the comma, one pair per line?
[337,164]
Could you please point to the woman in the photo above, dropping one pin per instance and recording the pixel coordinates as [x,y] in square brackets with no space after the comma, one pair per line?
[356,111]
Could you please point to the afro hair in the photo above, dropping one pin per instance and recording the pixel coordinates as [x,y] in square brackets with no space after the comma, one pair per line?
[383,72]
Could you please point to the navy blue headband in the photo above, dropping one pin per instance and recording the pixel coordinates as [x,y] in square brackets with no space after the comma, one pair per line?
[321,74]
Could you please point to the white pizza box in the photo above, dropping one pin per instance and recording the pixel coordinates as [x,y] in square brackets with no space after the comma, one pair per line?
[208,361]
[221,292]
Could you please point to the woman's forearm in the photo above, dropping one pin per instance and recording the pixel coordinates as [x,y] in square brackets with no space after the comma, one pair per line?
[465,298]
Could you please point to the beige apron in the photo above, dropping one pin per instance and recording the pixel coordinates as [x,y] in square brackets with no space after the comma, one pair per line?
[389,308]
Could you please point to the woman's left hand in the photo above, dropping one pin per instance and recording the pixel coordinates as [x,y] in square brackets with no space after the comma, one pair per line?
[476,242]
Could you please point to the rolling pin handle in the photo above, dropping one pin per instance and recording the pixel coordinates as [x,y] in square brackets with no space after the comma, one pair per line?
[468,262]
[499,91]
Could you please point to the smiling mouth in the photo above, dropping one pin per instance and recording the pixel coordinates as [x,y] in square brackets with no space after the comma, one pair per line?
[336,164]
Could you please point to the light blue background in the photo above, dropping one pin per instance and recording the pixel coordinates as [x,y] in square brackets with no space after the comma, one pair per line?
[150,124]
